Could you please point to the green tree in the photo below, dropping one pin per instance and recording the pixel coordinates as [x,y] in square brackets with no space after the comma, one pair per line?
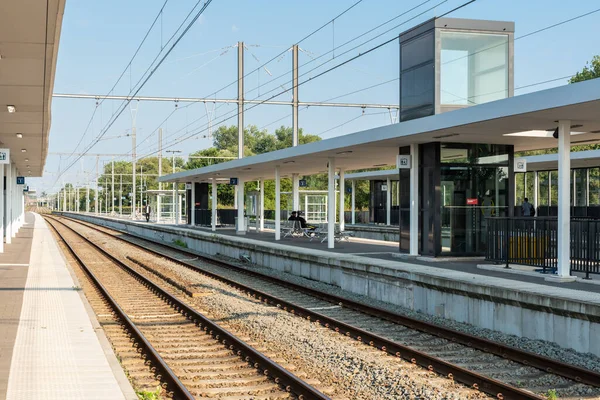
[590,71]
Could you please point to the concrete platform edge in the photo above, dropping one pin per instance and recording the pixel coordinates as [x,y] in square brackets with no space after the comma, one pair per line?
[520,308]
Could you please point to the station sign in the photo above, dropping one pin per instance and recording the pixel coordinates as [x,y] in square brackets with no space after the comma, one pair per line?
[349,189]
[20,180]
[384,188]
[188,186]
[520,165]
[233,181]
[472,202]
[4,156]
[302,183]
[403,161]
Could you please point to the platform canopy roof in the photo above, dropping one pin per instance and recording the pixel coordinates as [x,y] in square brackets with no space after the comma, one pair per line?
[549,162]
[526,121]
[29,36]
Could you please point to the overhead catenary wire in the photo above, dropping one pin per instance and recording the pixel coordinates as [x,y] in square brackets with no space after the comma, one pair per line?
[113,119]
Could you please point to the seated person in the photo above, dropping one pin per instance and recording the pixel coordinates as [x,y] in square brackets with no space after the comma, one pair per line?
[303,223]
[293,217]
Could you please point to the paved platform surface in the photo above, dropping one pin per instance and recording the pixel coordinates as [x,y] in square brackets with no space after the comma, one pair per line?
[57,353]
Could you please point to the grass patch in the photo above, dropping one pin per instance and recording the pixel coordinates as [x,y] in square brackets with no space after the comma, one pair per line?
[551,394]
[146,395]
[180,243]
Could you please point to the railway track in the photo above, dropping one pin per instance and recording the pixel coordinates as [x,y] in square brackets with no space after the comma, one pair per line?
[493,368]
[190,355]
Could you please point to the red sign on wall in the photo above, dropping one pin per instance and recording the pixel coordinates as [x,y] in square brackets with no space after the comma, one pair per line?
[472,202]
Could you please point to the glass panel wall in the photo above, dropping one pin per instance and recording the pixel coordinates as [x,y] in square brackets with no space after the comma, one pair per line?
[543,180]
[417,77]
[594,186]
[474,183]
[553,188]
[580,187]
[474,67]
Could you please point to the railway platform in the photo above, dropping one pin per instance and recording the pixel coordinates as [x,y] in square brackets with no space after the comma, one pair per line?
[51,346]
[567,314]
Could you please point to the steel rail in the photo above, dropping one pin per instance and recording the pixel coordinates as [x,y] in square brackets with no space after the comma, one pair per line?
[177,388]
[261,362]
[573,372]
[472,379]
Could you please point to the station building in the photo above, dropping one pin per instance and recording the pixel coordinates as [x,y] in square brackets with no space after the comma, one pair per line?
[454,146]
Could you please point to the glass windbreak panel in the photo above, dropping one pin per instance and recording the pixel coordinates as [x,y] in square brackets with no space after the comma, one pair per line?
[594,186]
[580,198]
[417,51]
[474,68]
[519,188]
[470,194]
[474,154]
[553,188]
[529,185]
[417,92]
[543,179]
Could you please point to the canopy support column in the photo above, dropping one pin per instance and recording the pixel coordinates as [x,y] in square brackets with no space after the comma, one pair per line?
[331,204]
[193,205]
[213,220]
[353,201]
[414,200]
[342,199]
[241,229]
[277,204]
[564,203]
[388,202]
[261,226]
[176,204]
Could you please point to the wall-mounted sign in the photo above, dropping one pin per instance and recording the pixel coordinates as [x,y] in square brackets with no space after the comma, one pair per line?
[384,188]
[26,189]
[4,156]
[302,183]
[520,165]
[188,186]
[233,181]
[472,202]
[20,180]
[403,161]
[348,189]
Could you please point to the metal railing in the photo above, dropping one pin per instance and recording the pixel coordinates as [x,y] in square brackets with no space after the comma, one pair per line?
[534,242]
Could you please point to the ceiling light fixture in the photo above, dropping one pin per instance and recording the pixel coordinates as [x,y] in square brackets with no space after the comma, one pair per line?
[11,109]
[345,152]
[27,160]
[379,165]
[289,162]
[445,136]
[20,135]
[23,150]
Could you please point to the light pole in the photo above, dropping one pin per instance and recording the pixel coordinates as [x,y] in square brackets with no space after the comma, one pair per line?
[175,206]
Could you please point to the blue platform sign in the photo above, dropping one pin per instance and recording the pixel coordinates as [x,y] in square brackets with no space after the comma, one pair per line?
[233,181]
[20,180]
[302,183]
[348,189]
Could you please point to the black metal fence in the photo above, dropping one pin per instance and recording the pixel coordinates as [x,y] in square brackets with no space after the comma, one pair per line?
[534,241]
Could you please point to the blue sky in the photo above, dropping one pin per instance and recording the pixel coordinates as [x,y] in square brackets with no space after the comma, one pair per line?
[99,38]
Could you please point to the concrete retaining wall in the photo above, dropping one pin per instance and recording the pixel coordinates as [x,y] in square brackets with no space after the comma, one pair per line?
[567,317]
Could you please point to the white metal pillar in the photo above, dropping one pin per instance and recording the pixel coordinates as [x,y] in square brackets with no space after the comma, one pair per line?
[331,204]
[564,202]
[353,202]
[97,195]
[112,188]
[388,202]
[64,204]
[176,204]
[277,204]
[158,197]
[261,226]
[9,195]
[342,199]
[87,198]
[240,99]
[193,205]
[241,228]
[295,192]
[414,199]
[535,190]
[213,222]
